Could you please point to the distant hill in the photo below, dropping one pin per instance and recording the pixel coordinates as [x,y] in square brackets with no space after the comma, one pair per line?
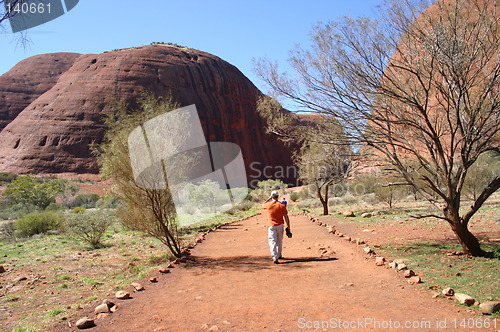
[50,106]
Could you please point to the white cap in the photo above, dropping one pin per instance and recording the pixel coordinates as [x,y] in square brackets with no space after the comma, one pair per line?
[274,193]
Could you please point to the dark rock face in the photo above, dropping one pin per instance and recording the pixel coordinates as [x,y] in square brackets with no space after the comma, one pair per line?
[28,80]
[53,133]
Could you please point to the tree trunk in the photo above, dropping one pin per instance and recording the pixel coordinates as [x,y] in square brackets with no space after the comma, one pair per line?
[469,242]
[324,201]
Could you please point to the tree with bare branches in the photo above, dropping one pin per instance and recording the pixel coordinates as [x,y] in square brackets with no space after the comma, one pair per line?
[416,89]
[320,163]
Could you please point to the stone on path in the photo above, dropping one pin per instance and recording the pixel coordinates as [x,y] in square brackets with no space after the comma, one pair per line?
[401,267]
[366,215]
[2,269]
[348,214]
[85,323]
[409,274]
[379,261]
[164,270]
[490,307]
[414,280]
[122,295]
[101,308]
[448,291]
[137,286]
[464,299]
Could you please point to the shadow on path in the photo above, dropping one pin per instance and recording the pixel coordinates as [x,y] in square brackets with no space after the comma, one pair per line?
[250,263]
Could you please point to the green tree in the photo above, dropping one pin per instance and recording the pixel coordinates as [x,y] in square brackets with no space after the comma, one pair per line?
[33,192]
[408,91]
[148,210]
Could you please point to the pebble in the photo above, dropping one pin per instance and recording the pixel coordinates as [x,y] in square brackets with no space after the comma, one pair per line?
[85,323]
[464,299]
[414,280]
[164,270]
[401,267]
[448,291]
[137,286]
[348,213]
[490,307]
[122,295]
[409,274]
[101,308]
[379,261]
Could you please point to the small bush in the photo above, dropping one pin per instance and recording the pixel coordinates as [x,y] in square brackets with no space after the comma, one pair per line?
[87,201]
[7,229]
[109,202]
[245,206]
[53,207]
[304,193]
[89,227]
[7,177]
[349,199]
[159,259]
[294,196]
[37,223]
[79,209]
[309,203]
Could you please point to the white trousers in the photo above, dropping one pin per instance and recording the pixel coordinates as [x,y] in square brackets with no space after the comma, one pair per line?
[275,239]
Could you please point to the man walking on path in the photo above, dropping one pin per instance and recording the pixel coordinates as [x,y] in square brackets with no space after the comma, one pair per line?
[277,216]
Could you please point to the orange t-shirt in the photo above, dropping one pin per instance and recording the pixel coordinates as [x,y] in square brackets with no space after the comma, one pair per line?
[275,210]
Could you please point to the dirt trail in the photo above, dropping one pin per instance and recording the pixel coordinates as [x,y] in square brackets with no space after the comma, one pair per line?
[231,282]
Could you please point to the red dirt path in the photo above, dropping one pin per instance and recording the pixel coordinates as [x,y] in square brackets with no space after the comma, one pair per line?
[230,282]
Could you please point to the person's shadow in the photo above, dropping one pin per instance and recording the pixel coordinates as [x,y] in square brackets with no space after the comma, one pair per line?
[287,260]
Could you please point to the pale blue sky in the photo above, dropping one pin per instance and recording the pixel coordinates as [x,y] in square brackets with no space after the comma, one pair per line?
[236,31]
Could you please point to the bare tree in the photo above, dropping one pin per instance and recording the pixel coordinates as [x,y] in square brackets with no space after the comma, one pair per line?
[320,163]
[417,90]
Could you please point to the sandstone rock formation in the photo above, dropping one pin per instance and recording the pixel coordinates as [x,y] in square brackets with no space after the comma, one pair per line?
[28,80]
[53,132]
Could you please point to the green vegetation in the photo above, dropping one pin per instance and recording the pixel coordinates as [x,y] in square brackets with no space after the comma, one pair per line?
[33,193]
[37,223]
[89,227]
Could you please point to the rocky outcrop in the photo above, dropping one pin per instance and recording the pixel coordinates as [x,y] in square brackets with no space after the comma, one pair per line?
[28,80]
[53,133]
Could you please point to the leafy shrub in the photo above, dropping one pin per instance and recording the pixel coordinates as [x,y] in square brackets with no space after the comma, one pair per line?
[349,199]
[109,202]
[7,177]
[87,201]
[37,223]
[89,226]
[33,192]
[304,193]
[294,196]
[79,209]
[7,229]
[264,188]
[309,203]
